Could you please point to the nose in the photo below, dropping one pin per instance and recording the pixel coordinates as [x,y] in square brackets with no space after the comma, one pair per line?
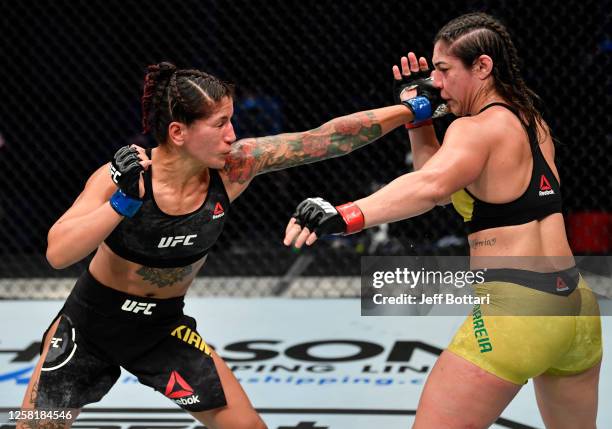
[230,135]
[437,81]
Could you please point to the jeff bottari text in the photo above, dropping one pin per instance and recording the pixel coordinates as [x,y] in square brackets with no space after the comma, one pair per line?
[438,298]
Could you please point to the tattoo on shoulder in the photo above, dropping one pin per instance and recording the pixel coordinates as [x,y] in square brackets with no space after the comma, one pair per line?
[337,137]
[490,242]
[162,277]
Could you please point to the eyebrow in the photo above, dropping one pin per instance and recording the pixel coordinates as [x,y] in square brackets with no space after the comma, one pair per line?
[436,64]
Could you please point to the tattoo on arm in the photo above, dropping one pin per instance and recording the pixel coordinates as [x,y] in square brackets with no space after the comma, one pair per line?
[340,136]
[34,393]
[490,242]
[162,277]
[32,417]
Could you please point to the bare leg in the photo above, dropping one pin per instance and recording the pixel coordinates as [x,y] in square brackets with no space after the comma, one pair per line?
[570,401]
[29,400]
[458,394]
[239,412]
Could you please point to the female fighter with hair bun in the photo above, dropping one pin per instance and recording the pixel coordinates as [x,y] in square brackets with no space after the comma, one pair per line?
[151,222]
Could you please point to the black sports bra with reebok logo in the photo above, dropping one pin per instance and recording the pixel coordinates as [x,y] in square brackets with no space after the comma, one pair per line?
[541,198]
[156,239]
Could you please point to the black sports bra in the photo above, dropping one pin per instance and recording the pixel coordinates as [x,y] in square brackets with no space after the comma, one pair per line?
[156,239]
[541,198]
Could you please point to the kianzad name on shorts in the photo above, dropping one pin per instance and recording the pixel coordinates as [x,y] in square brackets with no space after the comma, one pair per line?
[405,277]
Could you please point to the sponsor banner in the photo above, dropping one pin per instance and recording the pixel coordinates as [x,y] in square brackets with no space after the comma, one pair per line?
[498,286]
[314,363]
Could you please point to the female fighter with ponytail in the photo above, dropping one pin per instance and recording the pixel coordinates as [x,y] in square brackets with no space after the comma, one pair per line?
[496,165]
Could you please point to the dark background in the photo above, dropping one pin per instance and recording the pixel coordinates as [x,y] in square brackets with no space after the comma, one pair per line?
[71,78]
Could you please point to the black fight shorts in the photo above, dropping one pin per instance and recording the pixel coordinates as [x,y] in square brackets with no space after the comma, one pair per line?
[102,329]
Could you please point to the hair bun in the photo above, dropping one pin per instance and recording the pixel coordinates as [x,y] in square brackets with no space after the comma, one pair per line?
[162,70]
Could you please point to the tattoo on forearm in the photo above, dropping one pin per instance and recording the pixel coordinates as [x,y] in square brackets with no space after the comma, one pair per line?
[162,277]
[474,244]
[335,138]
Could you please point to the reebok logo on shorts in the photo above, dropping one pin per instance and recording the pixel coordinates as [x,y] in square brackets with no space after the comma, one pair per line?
[561,286]
[545,188]
[180,391]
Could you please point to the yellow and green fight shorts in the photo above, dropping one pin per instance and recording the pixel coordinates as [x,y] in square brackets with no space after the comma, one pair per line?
[534,323]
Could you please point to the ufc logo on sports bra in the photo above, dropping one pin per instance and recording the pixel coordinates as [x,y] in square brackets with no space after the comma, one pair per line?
[137,307]
[185,240]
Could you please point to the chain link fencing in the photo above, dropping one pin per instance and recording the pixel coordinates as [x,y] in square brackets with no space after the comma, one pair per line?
[71,79]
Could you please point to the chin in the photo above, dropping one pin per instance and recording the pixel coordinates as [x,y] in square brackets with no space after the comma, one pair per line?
[219,164]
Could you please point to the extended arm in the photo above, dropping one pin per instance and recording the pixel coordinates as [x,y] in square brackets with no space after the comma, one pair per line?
[337,137]
[458,163]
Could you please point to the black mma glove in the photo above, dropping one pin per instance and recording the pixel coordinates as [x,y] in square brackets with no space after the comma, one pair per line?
[320,217]
[125,171]
[425,88]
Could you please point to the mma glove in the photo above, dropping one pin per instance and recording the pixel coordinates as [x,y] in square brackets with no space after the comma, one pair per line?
[125,170]
[320,217]
[427,104]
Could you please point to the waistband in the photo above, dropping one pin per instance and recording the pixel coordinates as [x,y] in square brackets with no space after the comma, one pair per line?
[119,305]
[558,283]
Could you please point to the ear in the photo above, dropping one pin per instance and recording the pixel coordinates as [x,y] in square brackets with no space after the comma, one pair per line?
[483,66]
[176,133]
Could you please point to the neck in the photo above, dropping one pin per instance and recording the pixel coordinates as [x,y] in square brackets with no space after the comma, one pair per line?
[175,169]
[483,97]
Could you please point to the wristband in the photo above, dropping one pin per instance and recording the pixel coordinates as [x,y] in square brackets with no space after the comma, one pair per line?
[124,205]
[420,107]
[413,125]
[353,217]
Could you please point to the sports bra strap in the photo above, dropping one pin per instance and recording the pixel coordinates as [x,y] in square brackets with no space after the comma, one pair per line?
[148,179]
[497,103]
